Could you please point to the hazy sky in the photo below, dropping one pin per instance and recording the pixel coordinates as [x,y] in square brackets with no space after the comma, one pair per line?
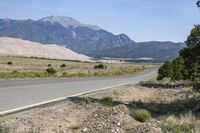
[141,20]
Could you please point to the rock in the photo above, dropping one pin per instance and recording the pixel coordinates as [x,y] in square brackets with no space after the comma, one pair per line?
[85,130]
[118,124]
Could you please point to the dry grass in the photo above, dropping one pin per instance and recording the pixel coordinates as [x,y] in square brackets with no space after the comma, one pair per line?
[180,124]
[72,68]
[174,110]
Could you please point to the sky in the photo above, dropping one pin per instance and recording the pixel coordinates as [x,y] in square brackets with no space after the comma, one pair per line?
[141,20]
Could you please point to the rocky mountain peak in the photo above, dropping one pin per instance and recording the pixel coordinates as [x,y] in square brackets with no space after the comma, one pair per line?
[68,22]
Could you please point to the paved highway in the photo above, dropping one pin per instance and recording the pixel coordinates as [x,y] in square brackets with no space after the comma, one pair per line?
[18,94]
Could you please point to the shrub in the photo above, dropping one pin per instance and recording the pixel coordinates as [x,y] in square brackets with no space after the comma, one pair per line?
[63,65]
[99,66]
[141,115]
[9,63]
[165,71]
[51,71]
[49,65]
[74,126]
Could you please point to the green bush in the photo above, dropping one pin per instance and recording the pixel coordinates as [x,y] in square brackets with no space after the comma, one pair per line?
[99,66]
[49,65]
[141,115]
[63,65]
[165,71]
[51,71]
[9,63]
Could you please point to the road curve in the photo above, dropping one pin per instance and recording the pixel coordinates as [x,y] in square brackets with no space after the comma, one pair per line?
[16,94]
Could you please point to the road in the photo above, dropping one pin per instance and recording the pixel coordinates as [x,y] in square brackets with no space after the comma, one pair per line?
[20,94]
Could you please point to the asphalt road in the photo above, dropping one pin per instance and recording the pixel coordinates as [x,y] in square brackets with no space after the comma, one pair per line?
[16,94]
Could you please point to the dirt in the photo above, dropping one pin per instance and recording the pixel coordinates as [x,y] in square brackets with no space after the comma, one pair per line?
[89,114]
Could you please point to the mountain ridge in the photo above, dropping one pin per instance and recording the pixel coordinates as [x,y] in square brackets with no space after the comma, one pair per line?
[81,38]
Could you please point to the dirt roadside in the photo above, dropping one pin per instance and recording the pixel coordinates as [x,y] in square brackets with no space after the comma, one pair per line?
[90,114]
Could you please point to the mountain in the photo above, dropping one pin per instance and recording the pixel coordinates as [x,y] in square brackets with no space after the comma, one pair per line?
[85,39]
[67,22]
[19,47]
[159,51]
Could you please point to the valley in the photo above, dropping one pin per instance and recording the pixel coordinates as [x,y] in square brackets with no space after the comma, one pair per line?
[108,66]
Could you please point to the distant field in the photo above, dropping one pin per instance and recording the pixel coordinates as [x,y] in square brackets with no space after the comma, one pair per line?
[22,67]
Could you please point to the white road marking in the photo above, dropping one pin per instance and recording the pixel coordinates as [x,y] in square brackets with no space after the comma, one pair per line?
[3,113]
[7,112]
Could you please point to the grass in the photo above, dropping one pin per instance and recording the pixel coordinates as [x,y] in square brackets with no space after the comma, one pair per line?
[16,74]
[141,115]
[4,128]
[74,126]
[175,105]
[165,84]
[108,102]
[179,124]
[36,68]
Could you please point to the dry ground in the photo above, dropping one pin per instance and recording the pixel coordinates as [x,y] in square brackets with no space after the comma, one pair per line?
[171,112]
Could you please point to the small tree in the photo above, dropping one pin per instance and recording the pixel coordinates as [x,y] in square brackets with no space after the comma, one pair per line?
[51,71]
[165,71]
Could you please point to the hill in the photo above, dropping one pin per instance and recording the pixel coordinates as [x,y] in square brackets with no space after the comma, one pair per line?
[19,47]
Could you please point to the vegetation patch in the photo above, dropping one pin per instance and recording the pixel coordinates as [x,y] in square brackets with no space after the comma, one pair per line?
[165,84]
[100,66]
[36,67]
[141,115]
[17,74]
[74,126]
[4,128]
[186,66]
[179,124]
[63,65]
[51,71]
[9,63]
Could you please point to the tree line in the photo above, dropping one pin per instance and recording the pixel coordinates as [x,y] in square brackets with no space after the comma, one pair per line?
[187,65]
